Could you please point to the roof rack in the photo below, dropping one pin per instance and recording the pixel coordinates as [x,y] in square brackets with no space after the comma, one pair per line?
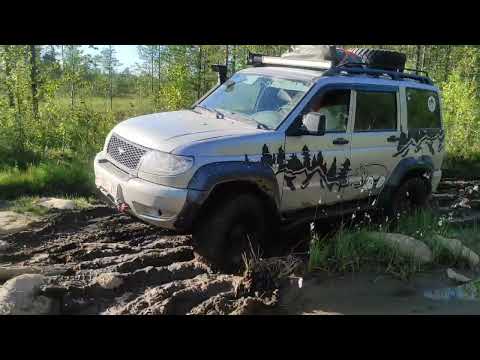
[360,68]
[345,68]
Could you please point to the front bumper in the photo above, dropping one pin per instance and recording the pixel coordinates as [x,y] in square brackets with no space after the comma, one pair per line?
[156,204]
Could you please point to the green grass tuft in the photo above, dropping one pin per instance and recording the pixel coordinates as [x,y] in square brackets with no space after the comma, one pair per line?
[353,250]
[47,179]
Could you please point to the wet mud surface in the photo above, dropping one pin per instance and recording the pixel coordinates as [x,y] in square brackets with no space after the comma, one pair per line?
[101,262]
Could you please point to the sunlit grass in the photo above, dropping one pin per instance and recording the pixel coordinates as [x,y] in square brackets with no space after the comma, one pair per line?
[45,179]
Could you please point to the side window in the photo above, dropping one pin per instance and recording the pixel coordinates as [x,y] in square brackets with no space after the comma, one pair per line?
[376,111]
[423,109]
[335,105]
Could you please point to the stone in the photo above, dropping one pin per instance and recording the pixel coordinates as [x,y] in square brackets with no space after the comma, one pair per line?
[456,248]
[452,274]
[20,296]
[12,222]
[108,281]
[55,203]
[406,245]
[8,272]
[4,245]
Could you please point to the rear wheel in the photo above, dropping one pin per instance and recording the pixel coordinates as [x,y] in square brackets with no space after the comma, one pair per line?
[411,195]
[230,230]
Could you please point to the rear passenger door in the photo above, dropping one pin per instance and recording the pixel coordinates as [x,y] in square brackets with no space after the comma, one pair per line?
[374,132]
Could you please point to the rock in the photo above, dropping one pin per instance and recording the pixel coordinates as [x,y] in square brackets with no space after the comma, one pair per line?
[108,281]
[457,277]
[4,245]
[20,296]
[8,272]
[39,258]
[456,248]
[12,222]
[55,203]
[406,245]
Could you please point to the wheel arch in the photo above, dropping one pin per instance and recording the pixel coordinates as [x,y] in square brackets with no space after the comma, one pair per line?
[421,167]
[214,181]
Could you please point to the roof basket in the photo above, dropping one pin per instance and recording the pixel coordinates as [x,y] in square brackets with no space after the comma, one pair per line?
[354,68]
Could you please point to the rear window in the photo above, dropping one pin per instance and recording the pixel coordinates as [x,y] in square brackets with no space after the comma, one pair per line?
[376,111]
[423,109]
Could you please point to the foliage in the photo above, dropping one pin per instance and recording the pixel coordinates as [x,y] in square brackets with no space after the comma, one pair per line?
[58,103]
[49,178]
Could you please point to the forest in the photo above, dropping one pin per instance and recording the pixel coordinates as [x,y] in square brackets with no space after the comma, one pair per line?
[58,102]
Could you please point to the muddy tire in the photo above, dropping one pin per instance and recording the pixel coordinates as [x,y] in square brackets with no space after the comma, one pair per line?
[411,195]
[230,229]
[382,59]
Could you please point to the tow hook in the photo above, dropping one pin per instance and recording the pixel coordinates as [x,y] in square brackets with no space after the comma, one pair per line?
[123,207]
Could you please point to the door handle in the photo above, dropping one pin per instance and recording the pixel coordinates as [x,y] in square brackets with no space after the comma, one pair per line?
[340,141]
[393,138]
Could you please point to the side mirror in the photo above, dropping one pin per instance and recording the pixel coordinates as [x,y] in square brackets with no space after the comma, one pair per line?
[222,72]
[314,123]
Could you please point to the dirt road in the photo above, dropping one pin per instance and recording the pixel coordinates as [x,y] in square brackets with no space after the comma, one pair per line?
[99,262]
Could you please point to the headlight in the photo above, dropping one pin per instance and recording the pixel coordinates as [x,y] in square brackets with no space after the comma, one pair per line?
[164,164]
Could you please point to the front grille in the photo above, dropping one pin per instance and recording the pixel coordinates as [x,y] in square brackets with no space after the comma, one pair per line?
[125,153]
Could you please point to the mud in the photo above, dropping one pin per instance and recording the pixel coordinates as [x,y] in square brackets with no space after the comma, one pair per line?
[154,271]
[146,270]
[458,201]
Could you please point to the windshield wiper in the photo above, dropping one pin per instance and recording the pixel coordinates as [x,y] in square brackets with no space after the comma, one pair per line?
[261,125]
[218,113]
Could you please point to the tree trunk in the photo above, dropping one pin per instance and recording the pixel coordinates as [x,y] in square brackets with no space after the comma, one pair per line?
[422,64]
[417,66]
[226,58]
[110,75]
[234,59]
[63,59]
[200,72]
[159,67]
[447,61]
[34,80]
[151,69]
[8,73]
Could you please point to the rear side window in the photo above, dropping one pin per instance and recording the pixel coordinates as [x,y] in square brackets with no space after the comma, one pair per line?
[376,111]
[423,109]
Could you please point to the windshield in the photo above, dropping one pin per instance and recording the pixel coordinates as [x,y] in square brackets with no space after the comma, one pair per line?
[260,98]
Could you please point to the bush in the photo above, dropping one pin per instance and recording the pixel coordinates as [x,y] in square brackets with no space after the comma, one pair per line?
[48,178]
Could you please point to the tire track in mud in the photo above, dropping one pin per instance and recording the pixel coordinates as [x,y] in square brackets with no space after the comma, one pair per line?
[109,263]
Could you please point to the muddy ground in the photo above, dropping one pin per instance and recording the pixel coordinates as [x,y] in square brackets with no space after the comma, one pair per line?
[101,262]
[154,271]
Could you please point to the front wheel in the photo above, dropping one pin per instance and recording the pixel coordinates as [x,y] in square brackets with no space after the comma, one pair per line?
[230,231]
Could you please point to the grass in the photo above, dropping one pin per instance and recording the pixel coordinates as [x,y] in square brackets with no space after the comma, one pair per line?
[47,179]
[454,166]
[353,249]
[123,107]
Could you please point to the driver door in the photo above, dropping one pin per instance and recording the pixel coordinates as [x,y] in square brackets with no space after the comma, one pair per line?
[317,165]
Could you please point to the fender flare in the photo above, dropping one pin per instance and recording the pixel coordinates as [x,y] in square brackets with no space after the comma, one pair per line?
[402,170]
[207,177]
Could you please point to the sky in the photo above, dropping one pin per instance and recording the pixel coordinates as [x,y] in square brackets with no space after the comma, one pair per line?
[126,54]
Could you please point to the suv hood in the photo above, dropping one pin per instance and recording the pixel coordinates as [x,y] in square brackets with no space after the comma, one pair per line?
[166,131]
